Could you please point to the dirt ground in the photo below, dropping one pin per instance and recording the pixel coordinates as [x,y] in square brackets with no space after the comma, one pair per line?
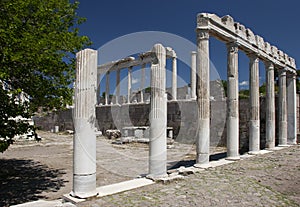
[32,170]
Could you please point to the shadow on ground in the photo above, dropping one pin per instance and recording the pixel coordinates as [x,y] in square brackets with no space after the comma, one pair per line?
[24,180]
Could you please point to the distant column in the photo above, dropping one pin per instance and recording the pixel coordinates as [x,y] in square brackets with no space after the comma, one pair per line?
[291,109]
[158,115]
[270,106]
[118,86]
[98,89]
[282,109]
[129,85]
[232,102]
[142,82]
[174,78]
[254,124]
[193,74]
[84,116]
[203,95]
[107,88]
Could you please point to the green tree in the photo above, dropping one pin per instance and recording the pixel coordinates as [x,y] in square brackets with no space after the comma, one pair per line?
[38,42]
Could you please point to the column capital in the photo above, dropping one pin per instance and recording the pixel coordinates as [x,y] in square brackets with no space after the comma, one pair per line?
[253,56]
[269,65]
[203,34]
[291,75]
[282,71]
[232,47]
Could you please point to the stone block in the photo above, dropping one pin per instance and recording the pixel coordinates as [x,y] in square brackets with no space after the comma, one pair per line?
[202,20]
[268,48]
[250,36]
[228,22]
[274,50]
[240,30]
[280,55]
[260,43]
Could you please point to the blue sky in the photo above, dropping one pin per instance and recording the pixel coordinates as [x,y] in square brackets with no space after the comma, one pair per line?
[276,21]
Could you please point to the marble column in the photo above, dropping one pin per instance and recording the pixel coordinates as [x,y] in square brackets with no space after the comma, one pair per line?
[158,115]
[174,78]
[118,86]
[98,89]
[193,74]
[270,106]
[232,102]
[84,116]
[142,82]
[282,108]
[291,109]
[107,88]
[254,123]
[203,95]
[129,85]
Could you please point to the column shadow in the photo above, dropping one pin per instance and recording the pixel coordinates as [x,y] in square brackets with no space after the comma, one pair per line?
[24,180]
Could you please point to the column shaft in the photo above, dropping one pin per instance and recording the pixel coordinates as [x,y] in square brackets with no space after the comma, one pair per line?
[203,95]
[98,89]
[107,88]
[84,116]
[282,117]
[174,78]
[142,82]
[129,85]
[270,106]
[118,87]
[254,124]
[158,115]
[232,102]
[292,110]
[193,74]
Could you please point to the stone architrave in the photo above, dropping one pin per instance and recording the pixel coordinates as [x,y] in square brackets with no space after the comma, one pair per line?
[193,74]
[254,123]
[107,88]
[291,109]
[174,78]
[282,109]
[84,116]
[158,114]
[203,95]
[232,102]
[270,106]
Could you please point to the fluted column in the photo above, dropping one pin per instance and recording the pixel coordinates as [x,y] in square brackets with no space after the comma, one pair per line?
[270,106]
[129,85]
[193,74]
[203,95]
[118,87]
[232,102]
[174,78]
[84,116]
[282,108]
[142,82]
[107,88]
[291,109]
[254,123]
[98,89]
[158,115]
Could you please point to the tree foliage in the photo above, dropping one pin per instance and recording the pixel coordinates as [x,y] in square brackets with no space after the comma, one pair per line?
[38,40]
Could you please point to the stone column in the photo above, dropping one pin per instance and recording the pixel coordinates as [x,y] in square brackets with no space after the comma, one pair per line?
[118,86]
[193,74]
[129,85]
[254,123]
[107,88]
[270,106]
[158,115]
[203,95]
[291,109]
[282,108]
[232,102]
[98,89]
[174,78]
[142,82]
[84,116]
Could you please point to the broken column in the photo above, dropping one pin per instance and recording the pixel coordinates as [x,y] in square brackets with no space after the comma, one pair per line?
[203,95]
[158,114]
[291,109]
[118,86]
[107,88]
[174,77]
[282,108]
[142,82]
[254,123]
[193,74]
[129,85]
[270,106]
[84,116]
[232,102]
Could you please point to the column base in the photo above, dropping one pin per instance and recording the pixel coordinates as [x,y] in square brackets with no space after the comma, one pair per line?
[202,166]
[233,158]
[254,152]
[84,186]
[283,145]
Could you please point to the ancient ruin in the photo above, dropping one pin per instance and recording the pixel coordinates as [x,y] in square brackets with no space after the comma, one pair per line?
[237,38]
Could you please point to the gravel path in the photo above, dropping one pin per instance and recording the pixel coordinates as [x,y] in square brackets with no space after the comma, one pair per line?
[30,171]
